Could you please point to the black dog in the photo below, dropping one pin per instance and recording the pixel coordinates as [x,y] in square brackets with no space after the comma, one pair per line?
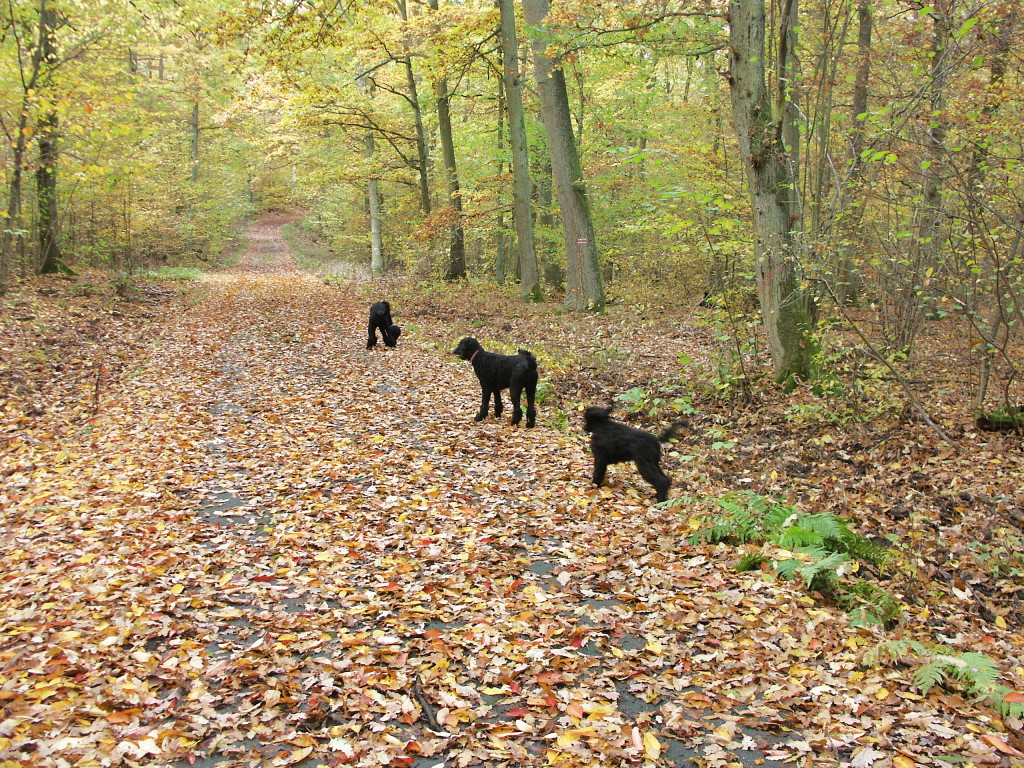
[612,442]
[516,373]
[380,317]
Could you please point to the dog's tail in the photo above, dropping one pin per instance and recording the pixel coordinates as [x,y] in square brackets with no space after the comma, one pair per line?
[669,433]
[531,361]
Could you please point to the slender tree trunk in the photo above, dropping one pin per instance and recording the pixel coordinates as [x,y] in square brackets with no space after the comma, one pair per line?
[772,178]
[501,242]
[372,192]
[193,125]
[417,116]
[521,210]
[373,196]
[859,106]
[456,269]
[583,284]
[12,226]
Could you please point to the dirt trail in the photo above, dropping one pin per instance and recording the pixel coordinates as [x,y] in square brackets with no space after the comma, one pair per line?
[275,545]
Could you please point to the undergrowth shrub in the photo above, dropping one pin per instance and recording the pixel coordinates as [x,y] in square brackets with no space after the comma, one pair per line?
[818,548]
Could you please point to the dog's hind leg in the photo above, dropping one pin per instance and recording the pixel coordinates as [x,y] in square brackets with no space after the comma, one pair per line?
[499,407]
[531,396]
[515,395]
[652,473]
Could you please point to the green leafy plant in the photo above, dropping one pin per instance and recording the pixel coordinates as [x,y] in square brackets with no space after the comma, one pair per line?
[819,549]
[975,674]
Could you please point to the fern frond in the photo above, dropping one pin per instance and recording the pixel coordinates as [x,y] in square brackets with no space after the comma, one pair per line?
[929,675]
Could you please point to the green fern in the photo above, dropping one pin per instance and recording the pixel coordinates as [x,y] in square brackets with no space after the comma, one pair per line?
[822,541]
[974,673]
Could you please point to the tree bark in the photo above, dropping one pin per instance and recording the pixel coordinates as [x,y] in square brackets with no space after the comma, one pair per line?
[456,269]
[772,178]
[51,260]
[530,289]
[417,115]
[501,241]
[583,279]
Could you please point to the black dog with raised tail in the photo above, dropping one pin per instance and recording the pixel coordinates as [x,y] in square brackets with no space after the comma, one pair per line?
[516,373]
[612,442]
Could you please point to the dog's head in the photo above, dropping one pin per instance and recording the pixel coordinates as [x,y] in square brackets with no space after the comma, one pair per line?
[595,415]
[395,331]
[466,348]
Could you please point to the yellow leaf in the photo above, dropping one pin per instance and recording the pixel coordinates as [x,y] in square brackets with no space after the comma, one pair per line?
[177,589]
[652,747]
[654,647]
[567,739]
[902,761]
[84,559]
[1000,622]
[881,694]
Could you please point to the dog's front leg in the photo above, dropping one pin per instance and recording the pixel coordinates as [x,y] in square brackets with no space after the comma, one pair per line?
[499,407]
[600,468]
[485,400]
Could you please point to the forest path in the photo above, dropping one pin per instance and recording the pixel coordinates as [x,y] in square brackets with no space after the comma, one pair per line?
[275,545]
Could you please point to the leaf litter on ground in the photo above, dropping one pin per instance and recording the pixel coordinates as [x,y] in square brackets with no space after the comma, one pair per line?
[260,543]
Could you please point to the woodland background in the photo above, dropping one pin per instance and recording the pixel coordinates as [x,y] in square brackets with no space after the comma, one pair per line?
[885,169]
[811,251]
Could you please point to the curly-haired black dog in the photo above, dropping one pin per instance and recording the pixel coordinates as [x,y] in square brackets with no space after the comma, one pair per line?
[612,442]
[516,373]
[380,318]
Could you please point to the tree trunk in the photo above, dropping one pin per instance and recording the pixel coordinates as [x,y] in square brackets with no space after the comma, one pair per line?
[865,22]
[456,269]
[50,258]
[583,283]
[772,178]
[521,210]
[417,115]
[372,193]
[12,226]
[194,141]
[501,241]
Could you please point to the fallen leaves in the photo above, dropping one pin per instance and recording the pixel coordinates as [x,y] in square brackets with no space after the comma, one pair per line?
[270,546]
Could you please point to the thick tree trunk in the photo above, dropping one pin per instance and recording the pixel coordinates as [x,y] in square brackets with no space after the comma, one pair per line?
[521,210]
[583,283]
[51,259]
[761,130]
[417,115]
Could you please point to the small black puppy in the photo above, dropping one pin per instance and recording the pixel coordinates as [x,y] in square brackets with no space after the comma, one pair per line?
[612,442]
[516,373]
[380,318]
